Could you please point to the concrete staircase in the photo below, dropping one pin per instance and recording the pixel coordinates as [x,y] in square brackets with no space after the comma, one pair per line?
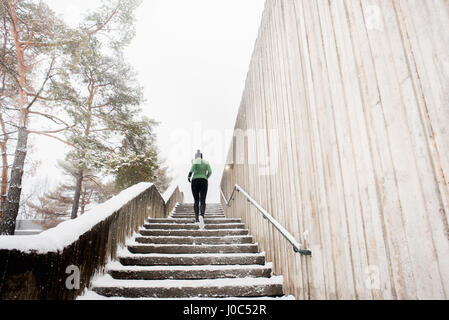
[174,258]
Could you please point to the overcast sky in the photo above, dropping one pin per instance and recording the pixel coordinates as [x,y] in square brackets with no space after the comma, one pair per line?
[192,57]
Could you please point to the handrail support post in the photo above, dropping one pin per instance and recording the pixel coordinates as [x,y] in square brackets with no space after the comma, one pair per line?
[267,216]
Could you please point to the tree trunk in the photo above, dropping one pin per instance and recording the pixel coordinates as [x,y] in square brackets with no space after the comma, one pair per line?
[76,199]
[4,182]
[8,220]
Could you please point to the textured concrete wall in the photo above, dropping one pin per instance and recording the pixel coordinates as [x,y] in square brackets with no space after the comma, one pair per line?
[346,113]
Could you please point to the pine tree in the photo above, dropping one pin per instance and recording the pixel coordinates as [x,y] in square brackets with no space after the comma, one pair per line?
[33,34]
[8,89]
[54,206]
[39,43]
[138,159]
[99,91]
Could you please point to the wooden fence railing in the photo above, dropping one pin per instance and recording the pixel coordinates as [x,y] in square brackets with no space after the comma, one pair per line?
[342,135]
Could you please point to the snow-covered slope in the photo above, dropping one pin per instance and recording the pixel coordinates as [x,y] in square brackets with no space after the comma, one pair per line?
[66,233]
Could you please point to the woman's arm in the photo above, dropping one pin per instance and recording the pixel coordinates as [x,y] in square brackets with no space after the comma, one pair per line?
[190,174]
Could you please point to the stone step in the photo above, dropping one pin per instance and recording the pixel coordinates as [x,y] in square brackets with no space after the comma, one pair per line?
[238,287]
[186,204]
[173,258]
[188,220]
[118,271]
[192,218]
[194,233]
[192,215]
[208,207]
[207,214]
[192,226]
[155,259]
[191,209]
[188,215]
[191,248]
[195,240]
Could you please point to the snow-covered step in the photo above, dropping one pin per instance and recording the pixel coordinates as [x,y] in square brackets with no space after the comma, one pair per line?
[193,248]
[200,233]
[172,258]
[191,220]
[193,226]
[154,259]
[189,207]
[91,295]
[191,211]
[118,271]
[195,240]
[238,287]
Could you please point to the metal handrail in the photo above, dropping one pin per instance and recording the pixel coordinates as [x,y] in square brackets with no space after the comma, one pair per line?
[287,235]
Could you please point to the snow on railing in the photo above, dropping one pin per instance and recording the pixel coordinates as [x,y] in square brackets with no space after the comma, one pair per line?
[56,239]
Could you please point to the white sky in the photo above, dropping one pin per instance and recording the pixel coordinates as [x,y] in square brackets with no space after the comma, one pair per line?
[192,57]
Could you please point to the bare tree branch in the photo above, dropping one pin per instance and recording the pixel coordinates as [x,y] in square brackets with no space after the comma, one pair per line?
[111,16]
[54,131]
[51,117]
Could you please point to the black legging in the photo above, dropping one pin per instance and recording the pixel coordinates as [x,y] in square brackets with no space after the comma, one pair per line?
[199,190]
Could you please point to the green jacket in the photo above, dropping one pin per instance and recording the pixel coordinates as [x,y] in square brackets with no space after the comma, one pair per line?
[200,169]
